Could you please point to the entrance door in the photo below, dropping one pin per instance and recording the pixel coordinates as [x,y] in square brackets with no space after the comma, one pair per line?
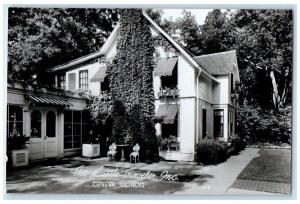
[43,133]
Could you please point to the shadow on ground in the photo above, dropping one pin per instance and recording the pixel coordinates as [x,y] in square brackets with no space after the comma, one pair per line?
[63,176]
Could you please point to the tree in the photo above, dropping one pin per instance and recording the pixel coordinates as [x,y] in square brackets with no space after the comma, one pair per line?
[217,32]
[39,39]
[130,76]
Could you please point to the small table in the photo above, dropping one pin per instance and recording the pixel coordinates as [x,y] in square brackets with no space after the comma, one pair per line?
[122,146]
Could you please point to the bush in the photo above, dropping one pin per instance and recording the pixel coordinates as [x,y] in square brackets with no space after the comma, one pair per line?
[211,151]
[237,143]
[257,125]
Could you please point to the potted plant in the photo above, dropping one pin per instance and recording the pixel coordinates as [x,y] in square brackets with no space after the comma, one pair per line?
[16,145]
[19,150]
[91,147]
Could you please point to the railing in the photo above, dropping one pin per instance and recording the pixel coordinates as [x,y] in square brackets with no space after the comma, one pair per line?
[168,93]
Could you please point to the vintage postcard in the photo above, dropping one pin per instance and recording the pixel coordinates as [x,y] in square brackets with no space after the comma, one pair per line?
[187,101]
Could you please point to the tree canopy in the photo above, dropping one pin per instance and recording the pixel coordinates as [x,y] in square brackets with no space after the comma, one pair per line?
[39,39]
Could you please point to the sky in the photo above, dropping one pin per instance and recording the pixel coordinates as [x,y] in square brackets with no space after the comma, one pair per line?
[200,14]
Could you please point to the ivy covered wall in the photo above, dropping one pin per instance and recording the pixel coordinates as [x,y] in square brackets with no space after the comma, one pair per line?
[131,85]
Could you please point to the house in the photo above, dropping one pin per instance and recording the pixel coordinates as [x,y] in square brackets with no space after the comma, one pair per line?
[194,99]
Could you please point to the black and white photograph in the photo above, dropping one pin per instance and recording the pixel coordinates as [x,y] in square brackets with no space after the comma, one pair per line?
[184,101]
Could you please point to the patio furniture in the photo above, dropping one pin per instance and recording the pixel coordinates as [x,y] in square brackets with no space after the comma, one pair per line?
[135,154]
[122,147]
[112,151]
[174,146]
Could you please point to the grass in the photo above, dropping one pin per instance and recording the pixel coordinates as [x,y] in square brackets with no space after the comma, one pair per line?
[272,165]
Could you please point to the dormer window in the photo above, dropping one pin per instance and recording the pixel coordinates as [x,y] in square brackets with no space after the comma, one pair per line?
[83,80]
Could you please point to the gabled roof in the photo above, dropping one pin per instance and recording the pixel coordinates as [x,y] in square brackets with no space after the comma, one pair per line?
[220,63]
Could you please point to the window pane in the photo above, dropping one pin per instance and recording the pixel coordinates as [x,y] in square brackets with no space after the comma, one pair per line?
[76,129]
[76,141]
[76,116]
[15,111]
[50,126]
[68,129]
[68,116]
[36,124]
[218,123]
[68,142]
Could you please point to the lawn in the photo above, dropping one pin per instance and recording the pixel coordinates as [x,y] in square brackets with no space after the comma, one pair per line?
[272,165]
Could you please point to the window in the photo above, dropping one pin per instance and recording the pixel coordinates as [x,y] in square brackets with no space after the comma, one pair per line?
[170,81]
[83,80]
[231,81]
[14,120]
[74,128]
[62,81]
[36,124]
[50,126]
[231,122]
[105,84]
[218,123]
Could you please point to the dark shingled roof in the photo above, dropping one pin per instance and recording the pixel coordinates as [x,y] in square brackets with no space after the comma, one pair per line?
[220,63]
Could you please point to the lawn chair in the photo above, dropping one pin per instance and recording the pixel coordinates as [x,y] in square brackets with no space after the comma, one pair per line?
[112,152]
[135,154]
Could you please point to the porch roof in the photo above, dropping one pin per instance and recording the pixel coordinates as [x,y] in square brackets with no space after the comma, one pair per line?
[166,113]
[48,101]
[165,66]
[100,75]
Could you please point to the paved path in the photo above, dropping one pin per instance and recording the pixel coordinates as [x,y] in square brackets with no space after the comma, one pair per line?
[264,186]
[219,178]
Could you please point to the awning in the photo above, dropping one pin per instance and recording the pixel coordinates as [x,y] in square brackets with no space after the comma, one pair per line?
[166,113]
[48,101]
[100,75]
[165,66]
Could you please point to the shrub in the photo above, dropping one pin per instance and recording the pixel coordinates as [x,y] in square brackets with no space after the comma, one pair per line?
[237,143]
[211,151]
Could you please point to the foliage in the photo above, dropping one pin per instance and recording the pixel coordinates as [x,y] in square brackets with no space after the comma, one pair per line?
[164,142]
[39,39]
[130,77]
[100,107]
[211,151]
[17,142]
[237,143]
[257,125]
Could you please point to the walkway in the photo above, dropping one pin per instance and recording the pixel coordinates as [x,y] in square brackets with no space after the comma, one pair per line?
[221,176]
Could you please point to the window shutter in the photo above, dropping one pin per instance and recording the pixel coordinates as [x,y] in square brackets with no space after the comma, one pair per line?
[72,81]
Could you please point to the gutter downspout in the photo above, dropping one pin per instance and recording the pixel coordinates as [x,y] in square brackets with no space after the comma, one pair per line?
[197,108]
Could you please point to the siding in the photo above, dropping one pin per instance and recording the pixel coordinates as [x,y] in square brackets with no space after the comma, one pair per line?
[94,87]
[221,91]
[186,78]
[186,123]
[205,88]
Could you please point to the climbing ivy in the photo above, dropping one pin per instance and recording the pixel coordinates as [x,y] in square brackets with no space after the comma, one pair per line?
[131,84]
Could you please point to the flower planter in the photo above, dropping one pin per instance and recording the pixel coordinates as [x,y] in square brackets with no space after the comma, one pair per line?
[91,150]
[20,157]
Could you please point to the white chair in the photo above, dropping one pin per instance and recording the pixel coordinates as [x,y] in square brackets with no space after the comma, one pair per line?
[112,152]
[135,154]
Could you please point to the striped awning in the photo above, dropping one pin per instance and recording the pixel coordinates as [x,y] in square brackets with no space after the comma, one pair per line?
[166,113]
[165,66]
[48,101]
[100,75]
